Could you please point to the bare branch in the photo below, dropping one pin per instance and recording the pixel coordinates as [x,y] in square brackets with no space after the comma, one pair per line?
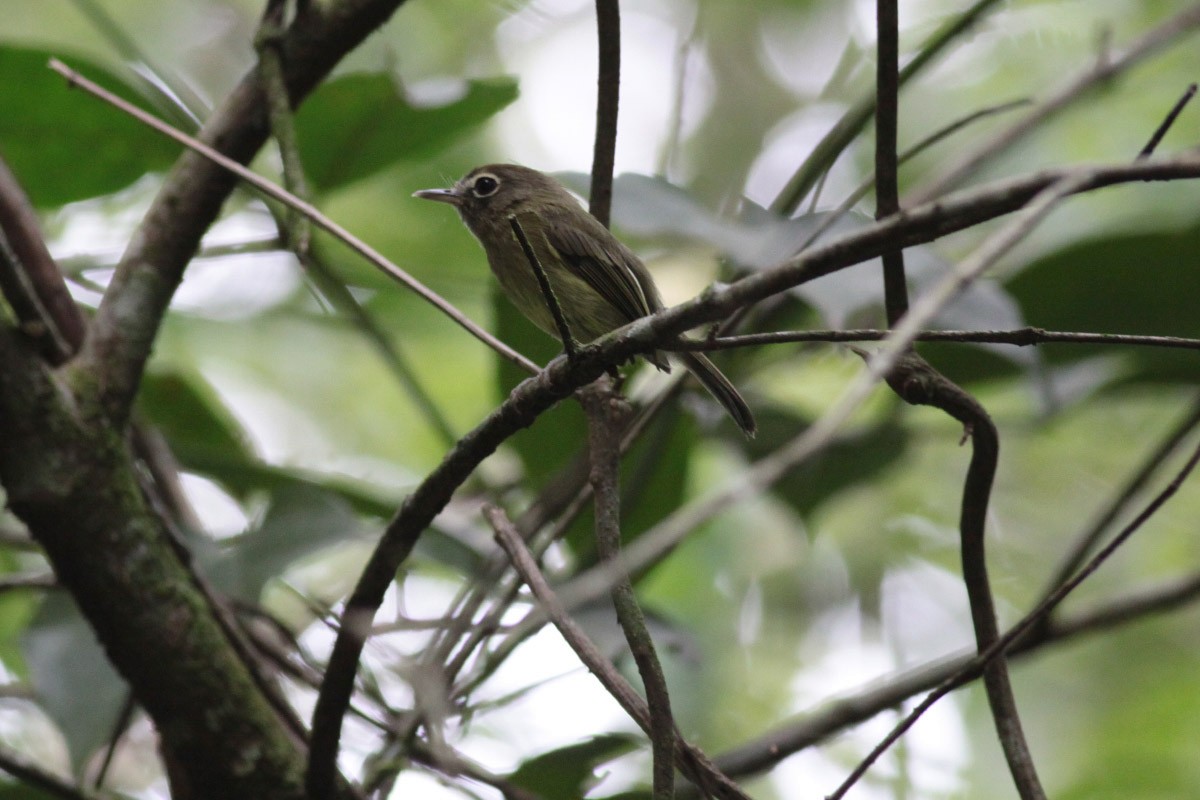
[608,90]
[1027,623]
[887,195]
[605,417]
[1103,70]
[914,380]
[688,758]
[33,283]
[1020,337]
[310,211]
[539,272]
[1166,124]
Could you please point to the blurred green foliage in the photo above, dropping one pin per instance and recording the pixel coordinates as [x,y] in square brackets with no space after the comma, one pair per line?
[291,414]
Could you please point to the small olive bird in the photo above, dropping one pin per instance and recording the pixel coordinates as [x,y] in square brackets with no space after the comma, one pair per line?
[598,283]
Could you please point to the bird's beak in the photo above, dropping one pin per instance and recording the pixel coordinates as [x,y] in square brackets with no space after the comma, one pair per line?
[440,195]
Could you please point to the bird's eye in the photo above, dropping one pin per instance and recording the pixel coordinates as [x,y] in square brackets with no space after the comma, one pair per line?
[485,185]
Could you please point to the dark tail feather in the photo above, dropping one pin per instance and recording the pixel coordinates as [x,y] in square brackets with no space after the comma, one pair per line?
[720,387]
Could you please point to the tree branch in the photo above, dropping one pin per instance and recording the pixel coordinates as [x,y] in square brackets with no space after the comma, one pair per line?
[604,413]
[608,92]
[918,383]
[1103,70]
[689,759]
[307,209]
[132,309]
[1020,337]
[887,193]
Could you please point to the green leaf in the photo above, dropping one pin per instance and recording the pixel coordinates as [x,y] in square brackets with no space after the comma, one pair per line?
[64,145]
[188,412]
[357,125]
[23,791]
[1136,284]
[568,772]
[73,680]
[846,462]
[206,439]
[299,522]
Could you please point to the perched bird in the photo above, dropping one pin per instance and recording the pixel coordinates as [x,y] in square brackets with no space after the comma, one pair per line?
[598,283]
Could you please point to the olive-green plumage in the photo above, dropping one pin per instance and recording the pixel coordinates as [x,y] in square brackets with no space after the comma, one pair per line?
[598,282]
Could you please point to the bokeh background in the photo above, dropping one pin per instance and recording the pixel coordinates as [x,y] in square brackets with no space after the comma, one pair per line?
[299,436]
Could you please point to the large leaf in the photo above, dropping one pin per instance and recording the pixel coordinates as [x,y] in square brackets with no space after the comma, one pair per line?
[569,772]
[355,126]
[299,522]
[1134,283]
[850,460]
[191,416]
[64,145]
[73,680]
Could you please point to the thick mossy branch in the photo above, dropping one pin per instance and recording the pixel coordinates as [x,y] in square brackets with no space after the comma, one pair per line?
[70,478]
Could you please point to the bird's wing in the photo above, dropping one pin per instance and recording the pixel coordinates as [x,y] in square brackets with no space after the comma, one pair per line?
[597,257]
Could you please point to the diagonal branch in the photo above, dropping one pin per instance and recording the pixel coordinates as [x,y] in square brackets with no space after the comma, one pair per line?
[301,206]
[688,758]
[561,377]
[32,282]
[127,321]
[767,750]
[1103,70]
[1027,624]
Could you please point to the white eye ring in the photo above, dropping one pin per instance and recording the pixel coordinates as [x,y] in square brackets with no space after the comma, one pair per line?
[485,185]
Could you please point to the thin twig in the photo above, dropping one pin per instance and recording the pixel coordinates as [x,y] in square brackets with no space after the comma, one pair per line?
[1152,145]
[688,758]
[33,281]
[1027,623]
[307,209]
[919,383]
[605,417]
[560,320]
[1102,70]
[1020,337]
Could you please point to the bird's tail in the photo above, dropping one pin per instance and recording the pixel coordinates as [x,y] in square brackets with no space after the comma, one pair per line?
[720,387]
